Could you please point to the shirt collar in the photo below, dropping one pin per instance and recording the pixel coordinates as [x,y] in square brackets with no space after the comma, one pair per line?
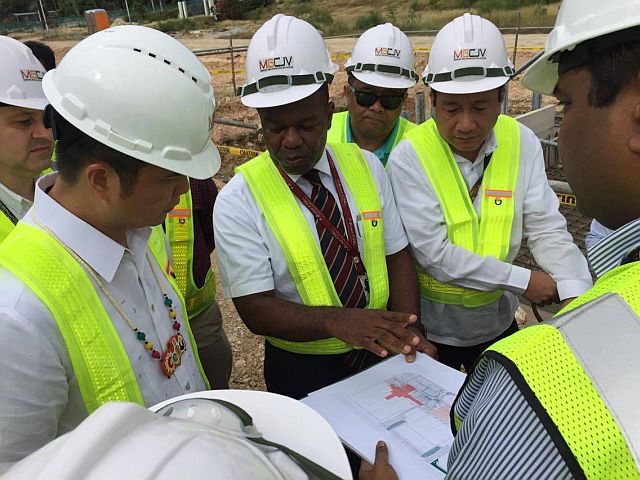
[100,252]
[14,202]
[609,252]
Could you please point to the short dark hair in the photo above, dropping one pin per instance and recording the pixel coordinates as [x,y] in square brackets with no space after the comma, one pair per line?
[75,150]
[613,61]
[43,53]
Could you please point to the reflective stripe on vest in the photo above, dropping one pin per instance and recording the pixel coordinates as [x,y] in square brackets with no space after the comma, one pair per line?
[582,387]
[491,235]
[6,226]
[338,131]
[300,247]
[98,357]
[179,225]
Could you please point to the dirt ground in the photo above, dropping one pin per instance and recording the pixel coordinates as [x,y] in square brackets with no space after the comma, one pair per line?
[248,349]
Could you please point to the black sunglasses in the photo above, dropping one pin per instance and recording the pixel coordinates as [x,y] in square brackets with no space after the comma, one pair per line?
[366,99]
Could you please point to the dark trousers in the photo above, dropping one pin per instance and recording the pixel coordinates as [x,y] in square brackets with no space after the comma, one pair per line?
[296,375]
[455,357]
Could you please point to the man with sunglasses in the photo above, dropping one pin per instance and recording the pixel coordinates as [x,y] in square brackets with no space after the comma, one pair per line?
[470,185]
[379,71]
[309,243]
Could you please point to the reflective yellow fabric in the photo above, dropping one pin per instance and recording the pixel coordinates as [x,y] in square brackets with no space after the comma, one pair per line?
[99,360]
[179,225]
[158,248]
[6,226]
[338,131]
[491,235]
[300,247]
[566,393]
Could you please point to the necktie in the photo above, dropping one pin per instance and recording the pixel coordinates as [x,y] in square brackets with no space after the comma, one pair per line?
[339,261]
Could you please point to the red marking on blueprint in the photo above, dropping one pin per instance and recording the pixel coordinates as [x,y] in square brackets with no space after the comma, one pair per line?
[403,391]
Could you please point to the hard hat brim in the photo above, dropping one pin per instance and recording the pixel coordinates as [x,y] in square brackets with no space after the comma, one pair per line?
[275,415]
[32,103]
[384,81]
[277,98]
[470,84]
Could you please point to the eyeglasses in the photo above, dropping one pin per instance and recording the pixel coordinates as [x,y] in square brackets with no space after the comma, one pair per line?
[366,99]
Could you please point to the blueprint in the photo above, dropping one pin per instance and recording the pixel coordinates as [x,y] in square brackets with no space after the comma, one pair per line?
[405,404]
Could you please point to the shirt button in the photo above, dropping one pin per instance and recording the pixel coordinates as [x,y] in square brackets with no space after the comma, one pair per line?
[188,386]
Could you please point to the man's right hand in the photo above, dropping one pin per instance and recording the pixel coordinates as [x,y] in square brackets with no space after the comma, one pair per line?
[542,289]
[365,328]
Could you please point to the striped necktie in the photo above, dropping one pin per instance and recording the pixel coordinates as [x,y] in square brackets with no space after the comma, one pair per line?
[339,261]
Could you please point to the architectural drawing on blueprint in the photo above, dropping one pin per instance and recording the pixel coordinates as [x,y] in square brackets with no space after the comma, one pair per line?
[412,409]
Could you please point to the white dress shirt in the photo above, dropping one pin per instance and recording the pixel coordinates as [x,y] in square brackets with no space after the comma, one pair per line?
[536,219]
[39,392]
[17,204]
[250,259]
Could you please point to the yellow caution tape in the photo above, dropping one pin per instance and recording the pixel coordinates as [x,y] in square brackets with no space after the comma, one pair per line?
[240,152]
[567,199]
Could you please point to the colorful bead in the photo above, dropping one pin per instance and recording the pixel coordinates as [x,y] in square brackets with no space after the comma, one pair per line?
[167,301]
[155,354]
[141,336]
[176,325]
[148,345]
[172,314]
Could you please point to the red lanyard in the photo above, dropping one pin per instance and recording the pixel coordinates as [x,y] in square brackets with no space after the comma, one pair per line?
[350,243]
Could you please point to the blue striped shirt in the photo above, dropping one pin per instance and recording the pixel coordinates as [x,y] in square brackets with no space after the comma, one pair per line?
[501,437]
[609,252]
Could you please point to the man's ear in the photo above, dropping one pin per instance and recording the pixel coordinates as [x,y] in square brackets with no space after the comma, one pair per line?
[501,94]
[103,181]
[634,139]
[330,109]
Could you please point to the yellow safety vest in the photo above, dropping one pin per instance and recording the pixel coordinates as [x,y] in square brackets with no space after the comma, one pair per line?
[300,247]
[6,226]
[338,131]
[540,358]
[179,225]
[99,359]
[491,235]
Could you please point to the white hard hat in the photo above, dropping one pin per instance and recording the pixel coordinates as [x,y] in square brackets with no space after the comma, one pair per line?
[193,437]
[578,21]
[20,76]
[468,55]
[383,57]
[142,93]
[287,60]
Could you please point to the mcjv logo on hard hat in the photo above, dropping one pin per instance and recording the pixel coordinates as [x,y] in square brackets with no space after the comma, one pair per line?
[387,52]
[275,63]
[470,53]
[32,75]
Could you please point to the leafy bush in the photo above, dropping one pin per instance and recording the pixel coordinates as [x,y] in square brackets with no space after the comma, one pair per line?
[365,22]
[320,18]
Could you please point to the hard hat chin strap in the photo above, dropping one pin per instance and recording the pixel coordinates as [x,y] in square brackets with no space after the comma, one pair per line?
[289,80]
[310,466]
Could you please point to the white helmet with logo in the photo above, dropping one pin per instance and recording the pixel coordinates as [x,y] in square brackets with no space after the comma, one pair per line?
[142,93]
[577,22]
[383,57]
[287,60]
[20,76]
[221,434]
[468,55]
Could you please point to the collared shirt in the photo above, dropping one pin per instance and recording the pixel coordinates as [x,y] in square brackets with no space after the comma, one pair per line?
[250,259]
[39,390]
[16,204]
[536,219]
[385,149]
[611,250]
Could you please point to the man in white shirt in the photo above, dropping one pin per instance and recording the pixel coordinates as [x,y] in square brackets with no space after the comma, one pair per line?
[308,236]
[470,185]
[88,314]
[25,143]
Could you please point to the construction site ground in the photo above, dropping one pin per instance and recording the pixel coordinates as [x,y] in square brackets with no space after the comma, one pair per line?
[248,349]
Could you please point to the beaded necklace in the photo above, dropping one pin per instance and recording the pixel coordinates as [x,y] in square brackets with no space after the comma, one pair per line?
[171,359]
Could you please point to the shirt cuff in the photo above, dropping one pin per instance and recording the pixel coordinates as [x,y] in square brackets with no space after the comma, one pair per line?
[518,279]
[248,288]
[572,288]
